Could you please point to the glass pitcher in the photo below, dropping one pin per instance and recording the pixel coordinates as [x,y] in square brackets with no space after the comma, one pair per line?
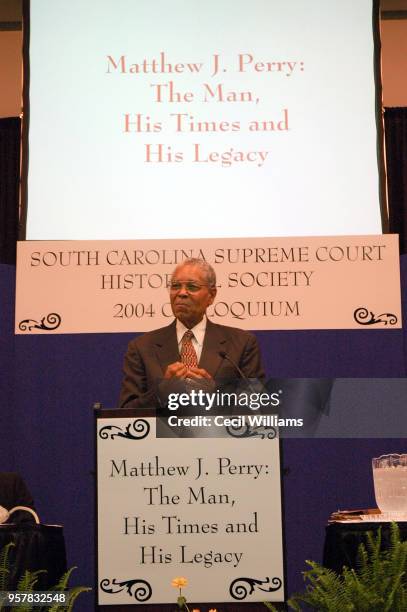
[390,482]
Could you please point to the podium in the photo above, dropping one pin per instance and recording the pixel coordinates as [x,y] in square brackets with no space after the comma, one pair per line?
[205,508]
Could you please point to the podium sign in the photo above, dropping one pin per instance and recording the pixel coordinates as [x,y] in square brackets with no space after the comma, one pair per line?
[208,509]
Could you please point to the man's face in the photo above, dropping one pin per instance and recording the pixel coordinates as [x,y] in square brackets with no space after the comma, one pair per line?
[190,295]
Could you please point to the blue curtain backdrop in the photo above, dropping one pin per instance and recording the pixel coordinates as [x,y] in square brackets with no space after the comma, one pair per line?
[49,384]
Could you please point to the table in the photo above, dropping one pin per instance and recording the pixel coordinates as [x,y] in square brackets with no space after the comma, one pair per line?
[342,541]
[38,547]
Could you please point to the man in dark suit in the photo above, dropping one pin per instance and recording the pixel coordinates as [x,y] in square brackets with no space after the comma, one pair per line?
[192,348]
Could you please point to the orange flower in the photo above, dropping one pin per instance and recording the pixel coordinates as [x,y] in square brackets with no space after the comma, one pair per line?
[196,610]
[213,610]
[179,582]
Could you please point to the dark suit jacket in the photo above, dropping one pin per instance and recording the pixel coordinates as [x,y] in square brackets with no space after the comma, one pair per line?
[149,355]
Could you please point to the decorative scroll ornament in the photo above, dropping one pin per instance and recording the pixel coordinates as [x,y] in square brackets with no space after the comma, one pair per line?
[137,430]
[248,431]
[137,588]
[49,322]
[240,588]
[363,316]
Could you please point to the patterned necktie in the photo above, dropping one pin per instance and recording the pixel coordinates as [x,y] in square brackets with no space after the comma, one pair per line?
[188,354]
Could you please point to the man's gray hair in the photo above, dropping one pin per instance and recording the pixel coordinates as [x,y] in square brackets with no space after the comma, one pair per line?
[204,266]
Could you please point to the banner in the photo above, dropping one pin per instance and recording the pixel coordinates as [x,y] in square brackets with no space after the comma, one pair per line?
[208,510]
[336,282]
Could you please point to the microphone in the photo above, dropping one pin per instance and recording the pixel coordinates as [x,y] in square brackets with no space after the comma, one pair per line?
[243,376]
[224,355]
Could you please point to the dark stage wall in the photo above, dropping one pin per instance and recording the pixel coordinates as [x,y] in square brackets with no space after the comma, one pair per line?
[49,383]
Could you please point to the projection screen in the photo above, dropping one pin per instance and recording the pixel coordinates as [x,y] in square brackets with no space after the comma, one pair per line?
[180,119]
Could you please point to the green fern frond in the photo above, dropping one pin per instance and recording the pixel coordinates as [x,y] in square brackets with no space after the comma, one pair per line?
[374,545]
[27,607]
[394,535]
[294,605]
[324,592]
[63,581]
[362,560]
[379,583]
[392,595]
[74,593]
[270,606]
[4,565]
[23,608]
[28,580]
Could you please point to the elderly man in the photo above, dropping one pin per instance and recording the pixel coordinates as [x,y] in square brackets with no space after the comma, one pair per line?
[191,347]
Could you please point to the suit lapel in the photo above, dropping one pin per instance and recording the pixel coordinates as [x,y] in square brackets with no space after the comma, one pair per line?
[166,347]
[214,342]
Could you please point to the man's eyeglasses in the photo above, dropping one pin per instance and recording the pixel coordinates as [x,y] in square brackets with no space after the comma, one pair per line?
[190,287]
